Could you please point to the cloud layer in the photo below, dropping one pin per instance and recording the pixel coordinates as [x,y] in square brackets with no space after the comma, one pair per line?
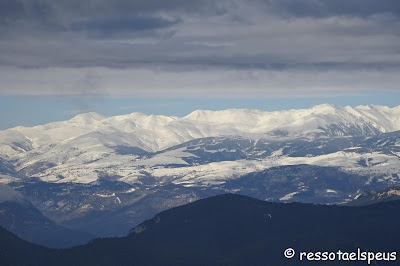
[198,48]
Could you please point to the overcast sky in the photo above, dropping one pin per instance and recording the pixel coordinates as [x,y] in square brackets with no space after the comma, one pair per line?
[93,53]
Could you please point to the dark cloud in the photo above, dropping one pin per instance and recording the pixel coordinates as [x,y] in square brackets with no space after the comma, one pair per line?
[93,18]
[116,25]
[16,9]
[102,17]
[324,8]
[12,11]
[72,11]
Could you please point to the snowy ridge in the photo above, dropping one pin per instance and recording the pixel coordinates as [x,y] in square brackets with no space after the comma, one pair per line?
[157,132]
[129,146]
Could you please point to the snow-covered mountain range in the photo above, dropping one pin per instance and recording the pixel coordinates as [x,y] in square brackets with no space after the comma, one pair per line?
[91,163]
[156,132]
[81,149]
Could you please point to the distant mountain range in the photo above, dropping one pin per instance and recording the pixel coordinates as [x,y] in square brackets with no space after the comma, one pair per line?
[22,218]
[27,222]
[232,230]
[104,175]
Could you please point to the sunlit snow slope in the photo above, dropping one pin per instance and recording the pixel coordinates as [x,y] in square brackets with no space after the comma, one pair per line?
[90,145]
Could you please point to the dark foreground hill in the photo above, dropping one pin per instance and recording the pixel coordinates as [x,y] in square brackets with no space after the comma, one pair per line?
[234,230]
[15,251]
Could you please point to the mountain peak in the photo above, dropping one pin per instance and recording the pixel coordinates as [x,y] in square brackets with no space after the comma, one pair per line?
[87,118]
[325,108]
[199,115]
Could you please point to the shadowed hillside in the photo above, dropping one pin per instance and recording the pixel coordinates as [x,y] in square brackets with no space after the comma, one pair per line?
[238,230]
